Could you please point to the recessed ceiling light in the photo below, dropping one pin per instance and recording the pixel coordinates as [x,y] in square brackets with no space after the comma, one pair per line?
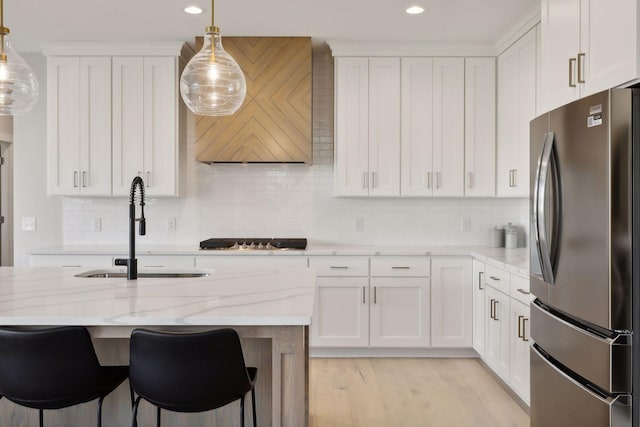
[194,10]
[414,10]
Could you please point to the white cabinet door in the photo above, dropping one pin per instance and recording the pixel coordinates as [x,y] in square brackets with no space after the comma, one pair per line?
[341,312]
[128,120]
[351,127]
[78,126]
[479,319]
[160,126]
[417,127]
[480,127]
[145,138]
[560,41]
[609,44]
[384,126]
[448,126]
[399,312]
[519,342]
[516,108]
[497,332]
[451,302]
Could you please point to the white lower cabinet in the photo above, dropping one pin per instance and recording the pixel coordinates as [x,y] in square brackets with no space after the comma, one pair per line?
[497,332]
[399,312]
[478,307]
[234,263]
[519,378]
[451,302]
[341,312]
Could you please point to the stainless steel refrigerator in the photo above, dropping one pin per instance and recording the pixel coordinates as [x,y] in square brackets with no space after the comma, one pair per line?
[585,262]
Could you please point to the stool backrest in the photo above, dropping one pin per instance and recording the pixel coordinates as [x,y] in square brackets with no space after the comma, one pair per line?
[41,365]
[188,372]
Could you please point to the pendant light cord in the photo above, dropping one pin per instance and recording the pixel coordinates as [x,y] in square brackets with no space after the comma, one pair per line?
[212,11]
[3,31]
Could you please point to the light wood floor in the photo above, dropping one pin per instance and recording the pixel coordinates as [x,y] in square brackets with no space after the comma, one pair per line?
[408,393]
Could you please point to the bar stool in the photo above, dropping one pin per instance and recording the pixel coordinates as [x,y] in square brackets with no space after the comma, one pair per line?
[189,372]
[54,368]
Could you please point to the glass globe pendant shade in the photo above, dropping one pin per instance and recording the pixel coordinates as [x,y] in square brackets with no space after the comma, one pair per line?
[212,83]
[18,83]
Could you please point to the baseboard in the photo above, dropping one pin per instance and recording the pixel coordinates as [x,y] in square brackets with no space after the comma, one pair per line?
[392,352]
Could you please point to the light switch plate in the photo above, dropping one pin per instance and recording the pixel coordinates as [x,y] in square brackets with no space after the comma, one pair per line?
[29,223]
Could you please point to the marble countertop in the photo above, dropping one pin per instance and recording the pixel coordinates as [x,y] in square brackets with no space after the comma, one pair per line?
[54,296]
[514,260]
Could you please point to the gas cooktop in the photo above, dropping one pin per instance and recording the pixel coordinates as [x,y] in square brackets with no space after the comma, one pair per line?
[253,244]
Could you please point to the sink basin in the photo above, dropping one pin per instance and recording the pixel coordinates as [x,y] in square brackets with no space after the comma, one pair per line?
[156,274]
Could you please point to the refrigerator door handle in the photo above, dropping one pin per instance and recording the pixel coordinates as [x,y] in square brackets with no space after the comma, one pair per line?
[540,211]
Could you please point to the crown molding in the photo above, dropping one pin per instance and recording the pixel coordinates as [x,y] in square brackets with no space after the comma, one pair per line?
[97,48]
[529,19]
[360,48]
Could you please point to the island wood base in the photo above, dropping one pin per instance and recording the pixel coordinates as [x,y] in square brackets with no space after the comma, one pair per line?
[281,354]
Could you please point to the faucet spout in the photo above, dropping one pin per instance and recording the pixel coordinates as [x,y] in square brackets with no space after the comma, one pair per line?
[132,262]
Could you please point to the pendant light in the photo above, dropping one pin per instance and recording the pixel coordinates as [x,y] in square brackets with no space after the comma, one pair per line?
[18,83]
[212,83]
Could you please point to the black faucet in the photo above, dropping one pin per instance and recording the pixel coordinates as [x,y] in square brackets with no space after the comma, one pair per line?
[132,262]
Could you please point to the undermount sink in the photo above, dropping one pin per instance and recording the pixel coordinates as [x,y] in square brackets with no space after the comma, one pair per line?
[121,273]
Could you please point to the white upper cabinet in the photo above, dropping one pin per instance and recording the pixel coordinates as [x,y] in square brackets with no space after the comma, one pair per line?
[79,125]
[587,46]
[145,124]
[480,127]
[432,126]
[367,127]
[516,108]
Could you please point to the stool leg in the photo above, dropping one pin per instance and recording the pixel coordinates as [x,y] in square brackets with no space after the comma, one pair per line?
[100,411]
[242,411]
[134,420]
[158,417]
[41,419]
[253,401]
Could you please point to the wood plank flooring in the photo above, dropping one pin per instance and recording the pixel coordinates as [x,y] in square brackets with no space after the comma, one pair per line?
[408,393]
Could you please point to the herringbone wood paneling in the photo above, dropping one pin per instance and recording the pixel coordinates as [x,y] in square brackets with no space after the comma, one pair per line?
[274,123]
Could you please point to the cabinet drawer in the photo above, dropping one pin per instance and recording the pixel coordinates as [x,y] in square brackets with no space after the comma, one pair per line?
[400,266]
[150,261]
[497,278]
[71,260]
[240,263]
[343,266]
[520,289]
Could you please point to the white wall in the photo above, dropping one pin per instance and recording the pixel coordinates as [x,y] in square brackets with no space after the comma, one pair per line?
[29,180]
[242,200]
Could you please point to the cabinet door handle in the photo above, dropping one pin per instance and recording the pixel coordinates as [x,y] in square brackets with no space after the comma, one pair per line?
[524,332]
[373,180]
[497,279]
[522,291]
[148,181]
[428,179]
[75,179]
[581,64]
[480,277]
[84,178]
[572,63]
[491,308]
[334,267]
[520,326]
[375,295]
[470,179]
[495,310]
[400,267]
[515,177]
[510,177]
[363,295]
[365,178]
[437,179]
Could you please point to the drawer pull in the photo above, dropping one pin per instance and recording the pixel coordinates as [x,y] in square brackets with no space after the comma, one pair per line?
[495,310]
[494,278]
[520,326]
[491,308]
[524,333]
[522,291]
[363,291]
[65,266]
[400,268]
[480,277]
[336,267]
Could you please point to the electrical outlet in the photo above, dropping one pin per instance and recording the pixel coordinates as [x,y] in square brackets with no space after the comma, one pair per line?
[465,225]
[96,224]
[29,223]
[358,224]
[171,223]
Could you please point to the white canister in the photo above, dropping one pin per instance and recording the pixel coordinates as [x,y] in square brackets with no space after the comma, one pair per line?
[510,237]
[496,237]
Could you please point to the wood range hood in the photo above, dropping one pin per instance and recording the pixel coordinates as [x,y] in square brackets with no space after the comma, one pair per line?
[273,125]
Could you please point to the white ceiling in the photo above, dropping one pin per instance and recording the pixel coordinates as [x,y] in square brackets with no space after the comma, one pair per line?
[34,22]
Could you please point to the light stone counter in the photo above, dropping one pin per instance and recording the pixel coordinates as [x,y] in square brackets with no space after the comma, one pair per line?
[271,311]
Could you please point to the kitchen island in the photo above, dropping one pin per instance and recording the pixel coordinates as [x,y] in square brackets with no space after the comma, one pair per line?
[270,309]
